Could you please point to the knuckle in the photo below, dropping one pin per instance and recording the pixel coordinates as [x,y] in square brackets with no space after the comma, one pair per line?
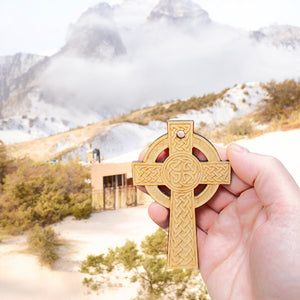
[274,162]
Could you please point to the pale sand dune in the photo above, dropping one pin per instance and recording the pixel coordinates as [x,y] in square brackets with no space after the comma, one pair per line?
[283,145]
[21,277]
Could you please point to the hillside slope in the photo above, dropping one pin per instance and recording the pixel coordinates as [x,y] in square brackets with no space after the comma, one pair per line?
[242,111]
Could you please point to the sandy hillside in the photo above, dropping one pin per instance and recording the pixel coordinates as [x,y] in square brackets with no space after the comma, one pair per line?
[21,277]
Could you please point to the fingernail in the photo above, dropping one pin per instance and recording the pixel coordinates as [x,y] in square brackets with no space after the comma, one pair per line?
[238,148]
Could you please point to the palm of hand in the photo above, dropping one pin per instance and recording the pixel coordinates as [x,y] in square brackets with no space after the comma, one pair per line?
[242,254]
[232,239]
[248,233]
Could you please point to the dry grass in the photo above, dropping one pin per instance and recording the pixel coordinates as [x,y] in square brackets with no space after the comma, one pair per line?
[166,111]
[281,111]
[47,148]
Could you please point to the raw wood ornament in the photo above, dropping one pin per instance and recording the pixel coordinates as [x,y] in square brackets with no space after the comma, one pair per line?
[181,172]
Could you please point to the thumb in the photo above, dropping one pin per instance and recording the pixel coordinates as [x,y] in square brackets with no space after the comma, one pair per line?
[272,182]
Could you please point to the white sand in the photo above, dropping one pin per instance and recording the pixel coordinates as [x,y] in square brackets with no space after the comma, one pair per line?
[21,276]
[283,145]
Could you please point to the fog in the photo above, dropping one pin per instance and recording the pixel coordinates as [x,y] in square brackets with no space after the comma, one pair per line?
[165,61]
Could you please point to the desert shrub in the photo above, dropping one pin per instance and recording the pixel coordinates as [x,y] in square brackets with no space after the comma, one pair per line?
[43,193]
[3,161]
[95,264]
[147,266]
[236,129]
[82,210]
[43,242]
[283,99]
[7,165]
[128,255]
[239,128]
[155,244]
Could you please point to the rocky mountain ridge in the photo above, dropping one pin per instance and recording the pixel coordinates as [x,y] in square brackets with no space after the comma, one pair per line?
[107,68]
[13,67]
[115,139]
[94,35]
[179,10]
[279,36]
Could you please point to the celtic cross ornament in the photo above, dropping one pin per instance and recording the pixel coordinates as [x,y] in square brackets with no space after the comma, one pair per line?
[181,172]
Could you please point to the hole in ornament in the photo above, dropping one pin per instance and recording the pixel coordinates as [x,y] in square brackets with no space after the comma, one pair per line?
[201,157]
[161,158]
[163,155]
[164,189]
[180,134]
[199,189]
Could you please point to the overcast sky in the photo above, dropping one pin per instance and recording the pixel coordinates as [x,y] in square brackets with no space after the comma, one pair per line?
[40,26]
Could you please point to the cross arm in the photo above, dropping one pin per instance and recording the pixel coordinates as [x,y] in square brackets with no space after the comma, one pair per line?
[147,173]
[215,172]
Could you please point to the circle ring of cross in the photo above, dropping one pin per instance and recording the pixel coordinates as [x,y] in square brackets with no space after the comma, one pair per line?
[201,144]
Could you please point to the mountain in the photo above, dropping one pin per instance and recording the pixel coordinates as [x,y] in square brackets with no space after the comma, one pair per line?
[25,115]
[94,35]
[30,107]
[278,35]
[179,10]
[12,67]
[119,58]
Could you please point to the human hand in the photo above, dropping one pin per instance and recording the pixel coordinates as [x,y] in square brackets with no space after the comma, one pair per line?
[248,234]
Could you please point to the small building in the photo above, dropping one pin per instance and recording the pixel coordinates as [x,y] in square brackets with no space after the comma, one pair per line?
[112,187]
[93,156]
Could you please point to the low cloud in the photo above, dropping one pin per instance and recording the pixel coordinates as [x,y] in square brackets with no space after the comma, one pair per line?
[165,62]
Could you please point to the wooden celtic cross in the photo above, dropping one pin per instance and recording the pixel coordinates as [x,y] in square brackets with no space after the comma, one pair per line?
[181,173]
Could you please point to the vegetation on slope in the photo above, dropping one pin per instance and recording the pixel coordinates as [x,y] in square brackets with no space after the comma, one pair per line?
[42,193]
[279,111]
[283,104]
[146,266]
[163,112]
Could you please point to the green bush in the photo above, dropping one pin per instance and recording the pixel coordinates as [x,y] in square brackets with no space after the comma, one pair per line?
[43,193]
[43,242]
[148,266]
[128,255]
[82,210]
[155,244]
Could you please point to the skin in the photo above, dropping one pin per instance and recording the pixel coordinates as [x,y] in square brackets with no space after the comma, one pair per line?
[248,234]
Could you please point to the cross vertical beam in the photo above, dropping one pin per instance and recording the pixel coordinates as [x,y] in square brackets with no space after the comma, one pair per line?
[182,249]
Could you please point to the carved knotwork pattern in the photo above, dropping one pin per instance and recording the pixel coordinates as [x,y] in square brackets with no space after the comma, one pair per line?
[181,145]
[180,172]
[182,244]
[215,173]
[147,174]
